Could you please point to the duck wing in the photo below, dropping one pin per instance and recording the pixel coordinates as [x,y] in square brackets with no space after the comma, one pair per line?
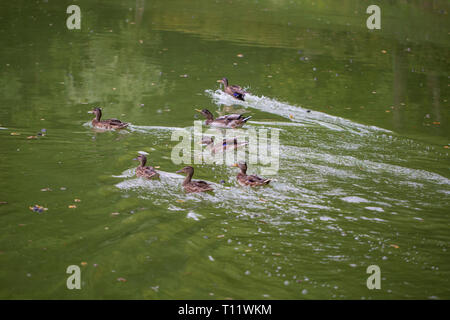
[146,172]
[233,116]
[253,180]
[198,186]
[238,89]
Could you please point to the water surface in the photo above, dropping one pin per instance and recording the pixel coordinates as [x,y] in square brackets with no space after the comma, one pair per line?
[364,175]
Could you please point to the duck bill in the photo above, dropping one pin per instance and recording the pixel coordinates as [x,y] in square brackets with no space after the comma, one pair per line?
[198,110]
[235,165]
[179,171]
[90,111]
[219,81]
[135,159]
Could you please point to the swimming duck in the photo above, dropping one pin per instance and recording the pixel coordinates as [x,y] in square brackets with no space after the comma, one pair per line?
[226,144]
[106,124]
[227,121]
[145,171]
[245,180]
[194,186]
[234,91]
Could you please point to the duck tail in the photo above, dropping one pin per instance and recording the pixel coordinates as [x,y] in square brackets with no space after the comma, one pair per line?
[239,96]
[246,119]
[267,181]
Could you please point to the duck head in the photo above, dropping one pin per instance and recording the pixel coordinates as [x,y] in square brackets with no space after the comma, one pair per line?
[97,112]
[242,166]
[224,81]
[206,113]
[189,170]
[142,159]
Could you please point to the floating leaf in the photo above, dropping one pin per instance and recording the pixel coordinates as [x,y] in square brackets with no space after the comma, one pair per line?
[383,51]
[180,200]
[32,137]
[115,213]
[240,55]
[77,200]
[395,246]
[72,206]
[122,279]
[37,208]
[46,189]
[15,133]
[84,263]
[220,236]
[155,288]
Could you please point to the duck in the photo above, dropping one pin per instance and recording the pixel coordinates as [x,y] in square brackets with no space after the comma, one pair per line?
[145,171]
[235,91]
[194,186]
[227,144]
[229,121]
[246,180]
[106,124]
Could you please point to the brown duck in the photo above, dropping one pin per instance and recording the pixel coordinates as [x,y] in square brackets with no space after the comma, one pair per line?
[246,180]
[227,144]
[234,91]
[194,186]
[106,124]
[230,121]
[145,171]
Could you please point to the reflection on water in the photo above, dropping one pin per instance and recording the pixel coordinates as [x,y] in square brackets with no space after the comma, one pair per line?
[363,177]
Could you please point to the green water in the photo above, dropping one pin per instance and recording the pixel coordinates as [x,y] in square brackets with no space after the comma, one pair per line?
[364,177]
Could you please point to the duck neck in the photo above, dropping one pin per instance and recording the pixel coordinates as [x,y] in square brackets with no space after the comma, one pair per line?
[225,82]
[98,115]
[188,178]
[209,116]
[142,162]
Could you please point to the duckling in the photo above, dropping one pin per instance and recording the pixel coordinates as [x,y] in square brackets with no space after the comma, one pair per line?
[234,91]
[194,186]
[145,171]
[106,124]
[245,180]
[226,144]
[230,121]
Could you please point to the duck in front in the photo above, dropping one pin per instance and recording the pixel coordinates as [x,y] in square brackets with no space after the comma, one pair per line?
[144,171]
[109,124]
[248,180]
[194,186]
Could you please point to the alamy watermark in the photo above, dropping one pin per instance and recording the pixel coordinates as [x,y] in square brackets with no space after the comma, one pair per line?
[374,280]
[74,280]
[228,146]
[74,20]
[374,20]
